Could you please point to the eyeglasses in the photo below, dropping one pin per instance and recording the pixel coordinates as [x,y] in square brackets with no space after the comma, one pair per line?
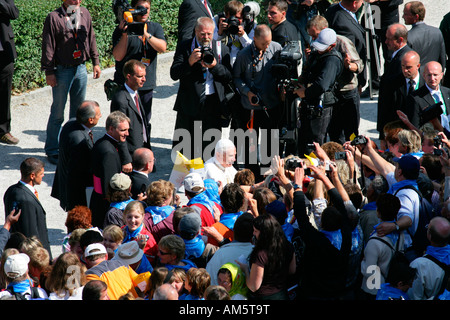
[163,253]
[153,160]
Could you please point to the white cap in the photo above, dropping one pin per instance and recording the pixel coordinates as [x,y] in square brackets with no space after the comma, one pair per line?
[325,39]
[95,248]
[129,253]
[192,180]
[16,265]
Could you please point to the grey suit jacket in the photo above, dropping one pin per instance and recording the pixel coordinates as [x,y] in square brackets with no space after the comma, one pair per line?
[428,42]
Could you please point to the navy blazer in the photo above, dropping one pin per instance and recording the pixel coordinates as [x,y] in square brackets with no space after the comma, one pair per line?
[32,221]
[73,172]
[421,99]
[188,13]
[344,24]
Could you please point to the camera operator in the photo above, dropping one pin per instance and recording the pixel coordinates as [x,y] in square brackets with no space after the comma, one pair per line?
[282,30]
[203,67]
[144,48]
[345,118]
[318,81]
[257,86]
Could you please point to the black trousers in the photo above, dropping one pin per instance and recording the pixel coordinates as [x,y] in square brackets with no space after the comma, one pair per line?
[345,117]
[312,129]
[6,76]
[209,117]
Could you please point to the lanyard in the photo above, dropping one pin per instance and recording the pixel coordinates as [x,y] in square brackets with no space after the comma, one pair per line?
[73,28]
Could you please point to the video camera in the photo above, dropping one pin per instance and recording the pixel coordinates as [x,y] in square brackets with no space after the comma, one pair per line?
[285,68]
[123,11]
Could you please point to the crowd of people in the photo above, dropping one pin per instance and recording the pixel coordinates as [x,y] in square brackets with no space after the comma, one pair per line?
[352,220]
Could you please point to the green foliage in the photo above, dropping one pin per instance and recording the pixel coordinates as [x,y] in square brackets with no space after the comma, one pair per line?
[28,33]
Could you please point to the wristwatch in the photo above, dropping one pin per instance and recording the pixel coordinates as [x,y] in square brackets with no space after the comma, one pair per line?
[396,226]
[296,186]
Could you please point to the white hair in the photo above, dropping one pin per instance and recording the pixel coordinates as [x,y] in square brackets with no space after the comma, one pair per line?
[223,145]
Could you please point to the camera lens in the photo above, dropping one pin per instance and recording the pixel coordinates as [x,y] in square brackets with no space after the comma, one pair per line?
[255,100]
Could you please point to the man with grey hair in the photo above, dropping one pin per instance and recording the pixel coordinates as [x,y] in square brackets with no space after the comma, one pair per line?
[368,214]
[73,172]
[220,167]
[105,162]
[165,292]
[203,67]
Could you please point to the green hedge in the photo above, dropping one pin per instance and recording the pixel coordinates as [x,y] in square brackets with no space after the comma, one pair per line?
[28,32]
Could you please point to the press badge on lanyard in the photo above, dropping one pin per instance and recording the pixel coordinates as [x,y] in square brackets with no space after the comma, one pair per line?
[72,23]
[145,60]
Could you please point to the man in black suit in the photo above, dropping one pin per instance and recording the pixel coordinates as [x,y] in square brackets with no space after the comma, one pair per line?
[127,100]
[429,94]
[73,172]
[143,161]
[342,19]
[8,11]
[203,77]
[23,195]
[188,13]
[398,89]
[105,162]
[426,40]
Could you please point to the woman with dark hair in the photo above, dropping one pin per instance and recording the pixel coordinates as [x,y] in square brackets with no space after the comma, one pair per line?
[270,263]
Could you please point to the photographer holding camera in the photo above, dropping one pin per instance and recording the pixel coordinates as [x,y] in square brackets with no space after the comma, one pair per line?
[203,67]
[142,47]
[257,85]
[237,27]
[318,80]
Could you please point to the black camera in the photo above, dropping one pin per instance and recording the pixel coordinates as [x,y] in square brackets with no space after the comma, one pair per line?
[429,113]
[359,140]
[249,13]
[16,206]
[437,141]
[233,24]
[293,163]
[341,155]
[207,54]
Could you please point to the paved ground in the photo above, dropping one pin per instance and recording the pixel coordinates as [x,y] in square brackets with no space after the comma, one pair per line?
[30,113]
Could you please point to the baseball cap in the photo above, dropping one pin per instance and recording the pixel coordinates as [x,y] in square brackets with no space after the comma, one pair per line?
[325,39]
[192,180]
[94,248]
[16,265]
[120,181]
[129,253]
[408,163]
[190,225]
[277,209]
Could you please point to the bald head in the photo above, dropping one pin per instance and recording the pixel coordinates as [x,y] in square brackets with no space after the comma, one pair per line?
[143,160]
[165,292]
[410,64]
[432,73]
[396,36]
[439,231]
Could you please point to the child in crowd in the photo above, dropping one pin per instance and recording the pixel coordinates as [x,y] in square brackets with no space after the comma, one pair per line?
[197,280]
[135,230]
[112,239]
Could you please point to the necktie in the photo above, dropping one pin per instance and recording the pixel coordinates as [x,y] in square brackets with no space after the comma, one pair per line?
[205,2]
[36,194]
[412,86]
[203,93]
[91,136]
[144,134]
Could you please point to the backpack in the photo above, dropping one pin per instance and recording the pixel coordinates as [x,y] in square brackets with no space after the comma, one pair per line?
[426,213]
[398,256]
[446,269]
[22,296]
